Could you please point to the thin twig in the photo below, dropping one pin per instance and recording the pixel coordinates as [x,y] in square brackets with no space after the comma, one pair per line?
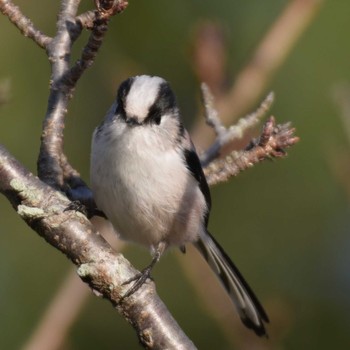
[224,136]
[89,53]
[272,143]
[105,10]
[23,23]
[98,22]
[211,114]
[108,8]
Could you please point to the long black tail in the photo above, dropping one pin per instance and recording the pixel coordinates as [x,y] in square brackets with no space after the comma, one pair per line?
[249,308]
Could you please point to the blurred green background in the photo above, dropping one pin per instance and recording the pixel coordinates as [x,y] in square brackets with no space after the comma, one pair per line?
[285,223]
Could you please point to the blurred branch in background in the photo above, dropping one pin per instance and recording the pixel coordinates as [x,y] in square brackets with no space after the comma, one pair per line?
[341,97]
[56,322]
[209,56]
[339,158]
[5,91]
[252,81]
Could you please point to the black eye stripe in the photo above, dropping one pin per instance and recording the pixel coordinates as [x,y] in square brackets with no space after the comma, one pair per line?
[154,115]
[123,91]
[164,103]
[125,88]
[166,98]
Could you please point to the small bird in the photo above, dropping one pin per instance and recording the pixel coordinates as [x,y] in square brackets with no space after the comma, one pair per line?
[147,179]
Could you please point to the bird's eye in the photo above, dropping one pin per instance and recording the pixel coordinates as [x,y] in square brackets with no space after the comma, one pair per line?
[154,116]
[157,119]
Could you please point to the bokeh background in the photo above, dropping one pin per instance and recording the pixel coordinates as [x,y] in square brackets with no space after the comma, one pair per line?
[285,223]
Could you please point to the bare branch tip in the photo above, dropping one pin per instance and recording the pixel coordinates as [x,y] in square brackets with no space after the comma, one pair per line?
[104,10]
[270,97]
[265,105]
[204,86]
[206,95]
[268,101]
[108,8]
[277,138]
[210,113]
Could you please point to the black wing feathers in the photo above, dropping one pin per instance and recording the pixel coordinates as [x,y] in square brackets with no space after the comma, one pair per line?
[194,166]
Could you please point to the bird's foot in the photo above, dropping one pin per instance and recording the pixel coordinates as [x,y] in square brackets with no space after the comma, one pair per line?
[139,279]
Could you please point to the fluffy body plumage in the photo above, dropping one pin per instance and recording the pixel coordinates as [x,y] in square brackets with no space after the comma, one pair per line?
[146,177]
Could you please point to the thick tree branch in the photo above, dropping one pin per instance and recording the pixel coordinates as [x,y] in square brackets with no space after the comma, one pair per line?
[23,23]
[66,305]
[44,209]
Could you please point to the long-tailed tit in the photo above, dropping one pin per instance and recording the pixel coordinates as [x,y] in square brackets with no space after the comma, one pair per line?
[147,178]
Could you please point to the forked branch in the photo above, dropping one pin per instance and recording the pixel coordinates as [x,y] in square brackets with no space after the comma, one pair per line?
[235,132]
[272,143]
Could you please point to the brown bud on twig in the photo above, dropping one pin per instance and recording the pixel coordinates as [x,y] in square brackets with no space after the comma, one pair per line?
[108,8]
[272,143]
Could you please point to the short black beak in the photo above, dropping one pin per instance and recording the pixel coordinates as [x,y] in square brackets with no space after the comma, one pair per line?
[132,121]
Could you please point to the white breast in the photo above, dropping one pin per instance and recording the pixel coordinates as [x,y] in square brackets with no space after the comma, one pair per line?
[145,190]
